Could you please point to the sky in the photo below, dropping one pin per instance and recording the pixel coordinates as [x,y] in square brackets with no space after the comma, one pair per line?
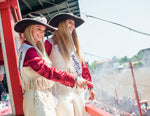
[106,40]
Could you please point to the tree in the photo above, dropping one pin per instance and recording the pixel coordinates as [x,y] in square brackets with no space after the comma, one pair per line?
[92,67]
[123,60]
[114,59]
[140,55]
[134,58]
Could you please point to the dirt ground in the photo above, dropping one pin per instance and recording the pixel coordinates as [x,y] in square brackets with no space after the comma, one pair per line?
[122,82]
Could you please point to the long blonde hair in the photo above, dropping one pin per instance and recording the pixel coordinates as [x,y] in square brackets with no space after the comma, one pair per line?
[66,41]
[28,37]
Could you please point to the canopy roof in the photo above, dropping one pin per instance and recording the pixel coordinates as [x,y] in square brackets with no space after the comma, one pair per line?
[49,7]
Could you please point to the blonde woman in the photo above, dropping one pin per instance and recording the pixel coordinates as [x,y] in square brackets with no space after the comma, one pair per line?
[63,50]
[35,68]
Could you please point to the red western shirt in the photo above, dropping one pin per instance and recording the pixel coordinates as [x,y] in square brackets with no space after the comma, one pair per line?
[39,65]
[85,71]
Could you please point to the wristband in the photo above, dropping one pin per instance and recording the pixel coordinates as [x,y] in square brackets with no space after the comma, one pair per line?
[76,79]
[90,88]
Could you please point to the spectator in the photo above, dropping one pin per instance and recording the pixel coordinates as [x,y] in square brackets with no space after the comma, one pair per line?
[2,88]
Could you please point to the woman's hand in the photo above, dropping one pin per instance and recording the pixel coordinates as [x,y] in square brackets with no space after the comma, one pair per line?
[82,82]
[92,94]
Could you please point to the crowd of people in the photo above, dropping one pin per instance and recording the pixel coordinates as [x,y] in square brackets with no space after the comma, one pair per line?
[3,84]
[3,80]
[122,106]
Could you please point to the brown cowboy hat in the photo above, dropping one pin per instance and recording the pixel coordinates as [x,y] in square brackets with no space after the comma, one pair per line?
[33,19]
[64,16]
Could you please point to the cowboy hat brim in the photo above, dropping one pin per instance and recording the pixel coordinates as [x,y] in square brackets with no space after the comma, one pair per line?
[22,24]
[64,16]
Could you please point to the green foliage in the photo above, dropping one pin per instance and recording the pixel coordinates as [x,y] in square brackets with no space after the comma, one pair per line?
[140,55]
[92,67]
[134,58]
[114,59]
[124,59]
[137,64]
[137,57]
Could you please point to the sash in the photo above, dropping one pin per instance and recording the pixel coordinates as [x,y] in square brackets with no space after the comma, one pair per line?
[21,55]
[76,64]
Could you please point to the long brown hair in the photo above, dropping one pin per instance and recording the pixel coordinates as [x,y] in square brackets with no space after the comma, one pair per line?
[66,41]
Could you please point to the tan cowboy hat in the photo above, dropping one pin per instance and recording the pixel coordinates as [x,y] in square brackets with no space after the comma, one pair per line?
[33,19]
[64,16]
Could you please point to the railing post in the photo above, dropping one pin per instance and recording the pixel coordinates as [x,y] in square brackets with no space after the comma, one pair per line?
[135,89]
[10,56]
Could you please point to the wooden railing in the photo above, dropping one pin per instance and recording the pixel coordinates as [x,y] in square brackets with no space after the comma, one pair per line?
[95,111]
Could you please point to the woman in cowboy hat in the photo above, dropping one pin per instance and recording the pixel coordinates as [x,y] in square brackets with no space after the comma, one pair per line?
[64,52]
[35,68]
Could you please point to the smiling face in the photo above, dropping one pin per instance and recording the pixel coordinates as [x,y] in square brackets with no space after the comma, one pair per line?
[71,25]
[38,32]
